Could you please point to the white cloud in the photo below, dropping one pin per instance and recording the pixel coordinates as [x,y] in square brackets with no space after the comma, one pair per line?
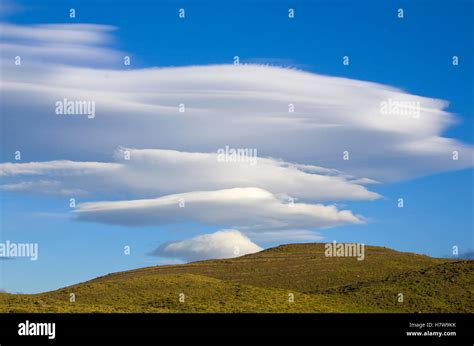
[42,187]
[40,46]
[56,168]
[242,106]
[57,33]
[244,208]
[221,244]
[151,173]
[245,106]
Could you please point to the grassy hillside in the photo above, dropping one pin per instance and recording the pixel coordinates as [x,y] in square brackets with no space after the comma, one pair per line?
[446,287]
[266,281]
[299,267]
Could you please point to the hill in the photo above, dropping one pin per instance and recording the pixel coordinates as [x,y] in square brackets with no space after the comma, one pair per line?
[287,278]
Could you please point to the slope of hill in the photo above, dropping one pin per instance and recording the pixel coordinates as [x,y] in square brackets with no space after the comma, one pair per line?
[288,278]
[446,287]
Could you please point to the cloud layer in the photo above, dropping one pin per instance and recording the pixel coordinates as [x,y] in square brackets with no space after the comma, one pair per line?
[151,173]
[46,44]
[244,106]
[243,208]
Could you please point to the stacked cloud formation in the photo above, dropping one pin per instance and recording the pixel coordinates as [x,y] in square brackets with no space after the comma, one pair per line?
[299,122]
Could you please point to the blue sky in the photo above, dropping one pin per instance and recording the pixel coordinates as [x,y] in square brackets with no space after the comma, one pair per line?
[413,54]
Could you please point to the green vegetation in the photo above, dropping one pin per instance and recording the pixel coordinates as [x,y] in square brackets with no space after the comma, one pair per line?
[266,281]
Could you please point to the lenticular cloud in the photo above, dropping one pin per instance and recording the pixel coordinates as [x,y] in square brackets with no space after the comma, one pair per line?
[319,138]
[241,106]
[156,172]
[245,208]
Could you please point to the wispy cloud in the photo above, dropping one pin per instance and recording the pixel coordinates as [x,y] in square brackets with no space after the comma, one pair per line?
[138,176]
[45,45]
